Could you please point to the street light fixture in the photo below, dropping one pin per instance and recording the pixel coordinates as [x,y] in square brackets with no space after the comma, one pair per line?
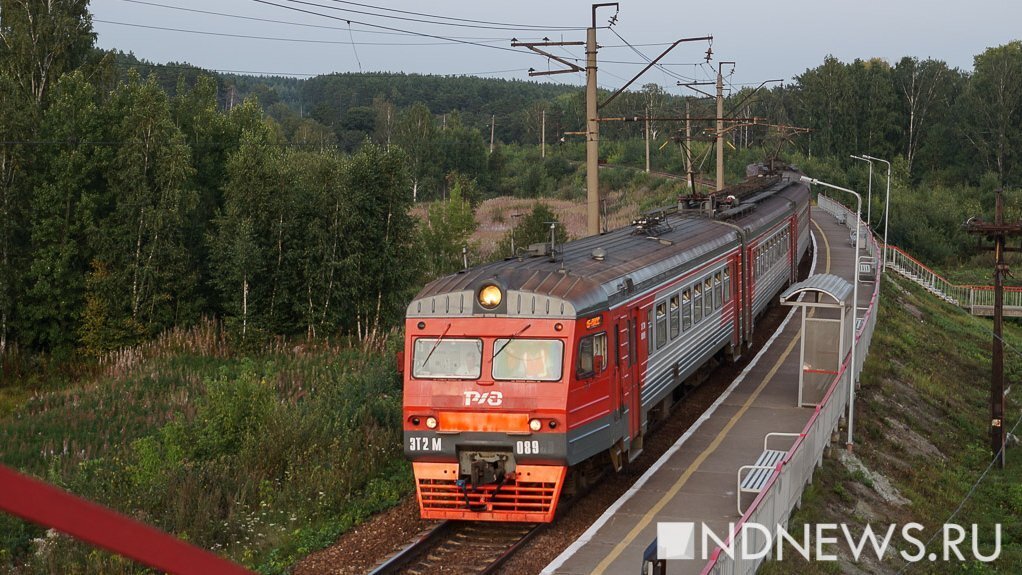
[887,206]
[869,196]
[855,299]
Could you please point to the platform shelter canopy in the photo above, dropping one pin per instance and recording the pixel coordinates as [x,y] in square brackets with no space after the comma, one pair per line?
[838,288]
[826,302]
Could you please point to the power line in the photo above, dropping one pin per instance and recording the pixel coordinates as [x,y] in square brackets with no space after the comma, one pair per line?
[448,41]
[646,58]
[353,48]
[278,39]
[382,27]
[422,21]
[302,24]
[512,26]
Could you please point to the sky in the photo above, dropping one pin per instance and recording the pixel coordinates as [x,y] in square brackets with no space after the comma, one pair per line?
[767,41]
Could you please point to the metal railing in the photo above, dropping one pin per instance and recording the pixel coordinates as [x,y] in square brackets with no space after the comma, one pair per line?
[46,505]
[978,300]
[783,492]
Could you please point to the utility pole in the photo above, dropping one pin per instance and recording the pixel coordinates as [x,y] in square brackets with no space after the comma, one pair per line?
[720,124]
[493,126]
[647,139]
[592,135]
[998,232]
[592,131]
[542,136]
[688,145]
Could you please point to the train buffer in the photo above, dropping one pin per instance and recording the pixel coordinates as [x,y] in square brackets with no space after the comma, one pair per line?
[758,474]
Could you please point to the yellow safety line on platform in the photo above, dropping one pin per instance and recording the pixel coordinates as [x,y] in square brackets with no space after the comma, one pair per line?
[648,517]
[826,245]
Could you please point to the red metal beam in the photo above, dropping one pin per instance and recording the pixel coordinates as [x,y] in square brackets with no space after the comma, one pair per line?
[49,506]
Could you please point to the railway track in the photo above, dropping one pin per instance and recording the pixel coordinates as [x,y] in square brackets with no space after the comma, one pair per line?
[478,548]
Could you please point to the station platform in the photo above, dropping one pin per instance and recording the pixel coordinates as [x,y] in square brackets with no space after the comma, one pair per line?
[696,479]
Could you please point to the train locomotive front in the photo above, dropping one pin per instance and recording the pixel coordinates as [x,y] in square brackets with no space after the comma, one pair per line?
[484,399]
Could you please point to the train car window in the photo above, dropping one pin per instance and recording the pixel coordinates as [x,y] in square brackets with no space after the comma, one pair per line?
[697,303]
[661,324]
[438,358]
[717,295]
[727,285]
[529,359]
[686,309]
[675,323]
[707,296]
[592,355]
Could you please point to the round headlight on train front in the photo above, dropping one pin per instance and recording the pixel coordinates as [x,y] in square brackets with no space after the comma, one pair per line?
[490,296]
[431,422]
[535,424]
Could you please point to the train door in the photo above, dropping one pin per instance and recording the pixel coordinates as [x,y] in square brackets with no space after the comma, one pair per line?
[627,367]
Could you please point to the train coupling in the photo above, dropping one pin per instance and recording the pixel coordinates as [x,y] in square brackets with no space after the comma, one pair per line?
[486,467]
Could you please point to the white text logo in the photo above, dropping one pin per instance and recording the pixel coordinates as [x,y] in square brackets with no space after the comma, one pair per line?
[493,398]
[820,542]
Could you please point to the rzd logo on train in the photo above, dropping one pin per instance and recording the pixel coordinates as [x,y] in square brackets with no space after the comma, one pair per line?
[493,398]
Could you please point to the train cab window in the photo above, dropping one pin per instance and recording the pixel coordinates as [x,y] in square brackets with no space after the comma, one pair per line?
[661,324]
[717,287]
[592,355]
[439,358]
[675,323]
[697,303]
[727,285]
[686,309]
[707,297]
[528,359]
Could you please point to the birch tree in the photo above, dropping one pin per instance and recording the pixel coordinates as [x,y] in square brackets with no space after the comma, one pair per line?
[923,87]
[70,169]
[41,39]
[17,111]
[379,262]
[993,108]
[148,203]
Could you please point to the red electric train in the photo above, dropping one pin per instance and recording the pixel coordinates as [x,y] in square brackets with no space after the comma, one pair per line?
[519,371]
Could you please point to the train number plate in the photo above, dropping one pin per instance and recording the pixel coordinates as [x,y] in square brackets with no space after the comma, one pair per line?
[528,447]
[425,444]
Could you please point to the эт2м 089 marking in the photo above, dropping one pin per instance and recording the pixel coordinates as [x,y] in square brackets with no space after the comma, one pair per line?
[517,371]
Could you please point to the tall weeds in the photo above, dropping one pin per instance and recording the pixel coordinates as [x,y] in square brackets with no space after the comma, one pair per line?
[261,458]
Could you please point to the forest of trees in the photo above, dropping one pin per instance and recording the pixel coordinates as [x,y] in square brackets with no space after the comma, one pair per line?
[132,203]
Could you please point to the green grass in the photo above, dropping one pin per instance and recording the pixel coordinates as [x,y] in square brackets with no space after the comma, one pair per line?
[262,459]
[926,381]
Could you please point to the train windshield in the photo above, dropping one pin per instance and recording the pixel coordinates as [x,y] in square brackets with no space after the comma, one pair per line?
[436,358]
[528,359]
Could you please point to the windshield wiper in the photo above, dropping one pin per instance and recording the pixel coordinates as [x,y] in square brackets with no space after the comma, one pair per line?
[435,345]
[511,338]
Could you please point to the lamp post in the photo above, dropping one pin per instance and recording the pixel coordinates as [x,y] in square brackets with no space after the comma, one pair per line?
[855,299]
[869,192]
[887,206]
